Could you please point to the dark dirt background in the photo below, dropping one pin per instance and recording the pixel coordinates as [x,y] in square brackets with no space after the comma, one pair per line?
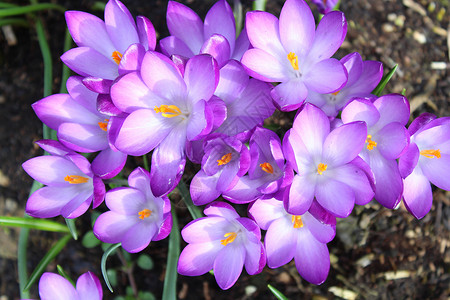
[377,253]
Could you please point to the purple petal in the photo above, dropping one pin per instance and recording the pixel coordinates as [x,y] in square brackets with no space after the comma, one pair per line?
[232,81]
[437,170]
[420,121]
[203,188]
[264,212]
[289,95]
[360,110]
[197,259]
[139,236]
[354,64]
[146,32]
[201,77]
[392,108]
[82,137]
[140,180]
[262,31]
[97,85]
[78,205]
[408,160]
[120,25]
[166,226]
[392,140]
[280,242]
[340,204]
[242,45]
[125,201]
[220,20]
[255,258]
[356,179]
[53,147]
[108,163]
[48,201]
[110,227]
[55,287]
[99,192]
[244,191]
[388,182]
[326,76]
[323,233]
[201,121]
[89,287]
[203,230]
[417,194]
[221,209]
[218,47]
[264,66]
[132,59]
[301,195]
[172,45]
[228,265]
[370,77]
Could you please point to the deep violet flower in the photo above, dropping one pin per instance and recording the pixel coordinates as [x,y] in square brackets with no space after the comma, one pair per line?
[301,237]
[71,185]
[426,160]
[363,77]
[222,241]
[217,36]
[102,45]
[387,138]
[136,217]
[325,6]
[55,287]
[81,127]
[292,51]
[324,162]
[166,108]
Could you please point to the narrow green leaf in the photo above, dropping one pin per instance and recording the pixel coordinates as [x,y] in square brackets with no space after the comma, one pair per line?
[145,262]
[146,165]
[64,274]
[39,224]
[51,254]
[14,22]
[277,293]
[193,209]
[19,10]
[7,5]
[170,280]
[238,16]
[380,87]
[90,240]
[72,228]
[103,264]
[259,5]
[403,92]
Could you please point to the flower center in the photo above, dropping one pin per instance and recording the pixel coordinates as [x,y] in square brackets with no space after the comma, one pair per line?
[229,238]
[116,56]
[168,111]
[103,125]
[266,167]
[293,59]
[297,221]
[145,213]
[224,160]
[321,168]
[431,153]
[76,179]
[370,143]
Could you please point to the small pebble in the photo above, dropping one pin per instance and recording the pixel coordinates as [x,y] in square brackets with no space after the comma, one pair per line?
[250,290]
[420,37]
[387,27]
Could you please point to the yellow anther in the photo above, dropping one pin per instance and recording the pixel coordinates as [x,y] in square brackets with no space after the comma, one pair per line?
[335,93]
[76,179]
[370,143]
[297,221]
[168,111]
[224,160]
[266,167]
[293,59]
[431,153]
[230,237]
[103,125]
[321,168]
[117,56]
[145,213]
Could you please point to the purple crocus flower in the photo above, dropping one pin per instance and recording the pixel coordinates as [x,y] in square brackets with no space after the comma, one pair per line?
[301,237]
[426,160]
[80,126]
[222,241]
[55,287]
[71,185]
[325,164]
[217,36]
[102,44]
[363,77]
[166,108]
[387,138]
[325,6]
[292,51]
[136,217]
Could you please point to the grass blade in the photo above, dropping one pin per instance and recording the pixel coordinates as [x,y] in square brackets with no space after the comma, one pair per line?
[72,228]
[170,280]
[39,224]
[108,252]
[64,274]
[380,87]
[19,10]
[277,293]
[193,209]
[14,22]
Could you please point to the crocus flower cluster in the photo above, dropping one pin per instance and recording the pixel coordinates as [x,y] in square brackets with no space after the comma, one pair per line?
[204,95]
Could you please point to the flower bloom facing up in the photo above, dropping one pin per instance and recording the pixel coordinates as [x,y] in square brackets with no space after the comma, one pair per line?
[71,185]
[301,237]
[224,242]
[426,160]
[136,217]
[325,164]
[55,287]
[292,51]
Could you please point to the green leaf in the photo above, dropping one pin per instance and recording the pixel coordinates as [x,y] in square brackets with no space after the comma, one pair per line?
[90,240]
[193,209]
[277,293]
[71,226]
[170,280]
[146,296]
[18,10]
[259,5]
[380,87]
[103,264]
[145,262]
[64,274]
[51,254]
[27,222]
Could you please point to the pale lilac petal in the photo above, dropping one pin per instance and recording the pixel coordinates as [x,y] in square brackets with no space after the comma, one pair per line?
[255,258]
[370,77]
[392,108]
[419,122]
[312,258]
[132,59]
[340,204]
[139,236]
[201,77]
[417,194]
[321,214]
[78,205]
[48,201]
[264,66]
[360,110]
[242,45]
[82,137]
[120,25]
[221,209]
[97,85]
[110,227]
[172,45]
[244,191]
[301,195]
[232,81]
[197,259]
[166,226]
[81,93]
[205,230]
[356,179]
[201,121]
[203,188]
[220,20]
[436,136]
[140,179]
[89,287]
[262,31]
[408,160]
[146,32]
[228,175]
[280,242]
[326,76]
[289,95]
[53,147]
[323,232]
[125,201]
[297,27]
[392,140]
[354,64]
[264,212]
[437,170]
[218,47]
[228,265]
[108,163]
[99,192]
[388,182]
[55,287]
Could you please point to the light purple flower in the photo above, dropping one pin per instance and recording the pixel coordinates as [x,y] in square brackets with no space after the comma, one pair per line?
[217,36]
[426,160]
[136,217]
[387,138]
[325,164]
[71,185]
[102,44]
[292,51]
[222,241]
[55,287]
[363,77]
[301,237]
[325,6]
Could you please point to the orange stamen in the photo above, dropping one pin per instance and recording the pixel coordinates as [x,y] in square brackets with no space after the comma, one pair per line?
[266,167]
[224,160]
[168,111]
[145,213]
[370,143]
[431,153]
[117,56]
[103,125]
[335,93]
[293,59]
[297,221]
[76,179]
[230,237]
[321,168]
